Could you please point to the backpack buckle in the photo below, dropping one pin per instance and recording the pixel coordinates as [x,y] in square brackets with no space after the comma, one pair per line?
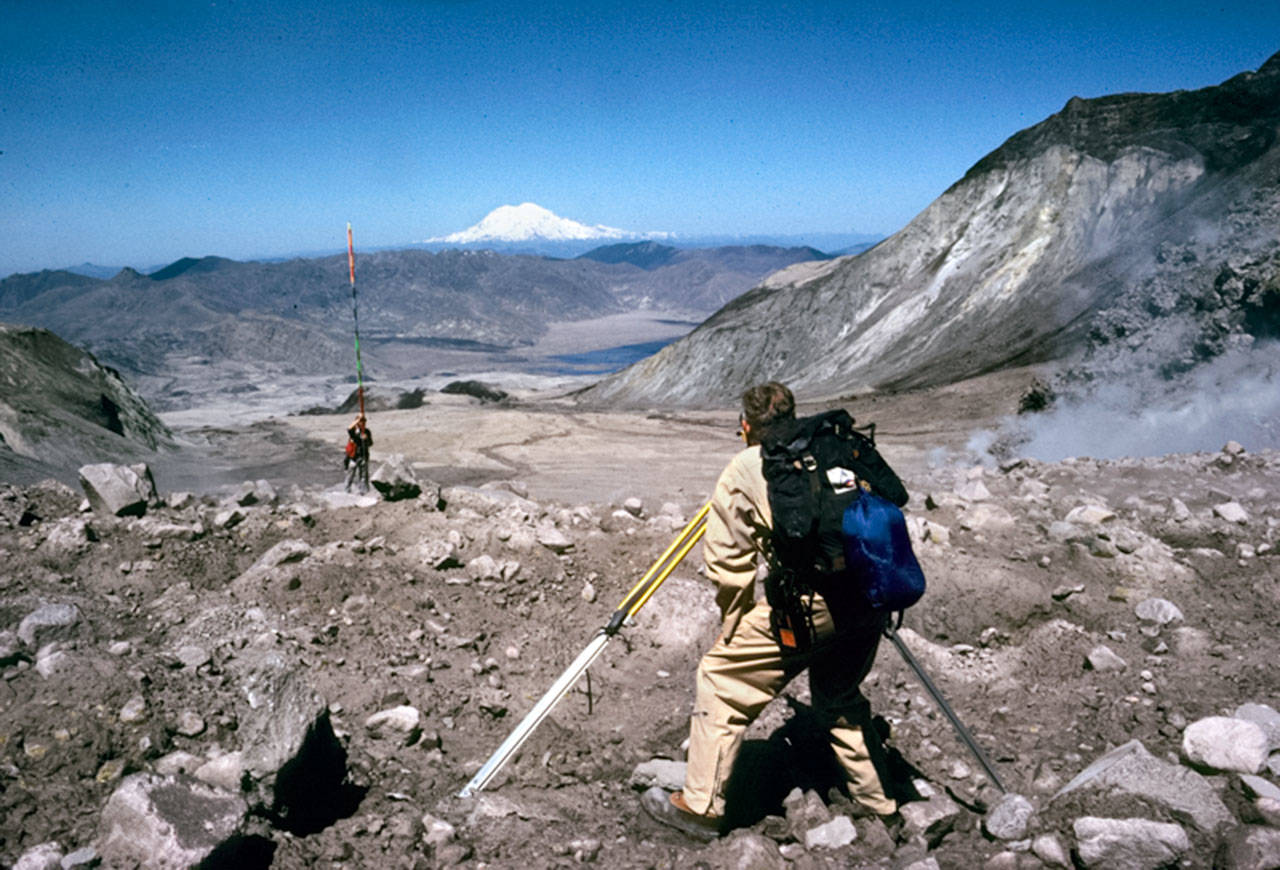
[810,464]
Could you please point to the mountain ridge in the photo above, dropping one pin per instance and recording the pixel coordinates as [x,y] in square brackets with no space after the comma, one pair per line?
[1019,261]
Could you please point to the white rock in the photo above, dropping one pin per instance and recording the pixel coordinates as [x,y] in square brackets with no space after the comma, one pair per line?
[1221,743]
[225,771]
[1049,849]
[49,622]
[1259,787]
[1232,512]
[120,490]
[984,517]
[554,539]
[134,710]
[158,821]
[46,856]
[973,490]
[1181,513]
[834,834]
[436,831]
[484,567]
[178,762]
[661,772]
[1102,658]
[1129,844]
[1090,515]
[1158,610]
[402,720]
[1009,818]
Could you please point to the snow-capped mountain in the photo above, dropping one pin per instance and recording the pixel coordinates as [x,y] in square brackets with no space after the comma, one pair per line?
[529,222]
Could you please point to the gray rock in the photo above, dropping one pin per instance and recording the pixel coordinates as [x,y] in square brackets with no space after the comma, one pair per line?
[554,539]
[1129,775]
[1232,512]
[228,519]
[1269,810]
[119,490]
[804,810]
[51,661]
[1181,513]
[1009,818]
[662,772]
[1158,611]
[1265,717]
[932,818]
[834,834]
[1049,849]
[1250,847]
[284,719]
[439,554]
[67,538]
[48,623]
[285,552]
[226,771]
[484,567]
[436,831]
[178,762]
[1259,787]
[46,856]
[746,850]
[1222,743]
[487,502]
[633,506]
[189,724]
[1273,764]
[180,500]
[1102,658]
[1128,844]
[167,821]
[984,517]
[923,864]
[134,710]
[394,479]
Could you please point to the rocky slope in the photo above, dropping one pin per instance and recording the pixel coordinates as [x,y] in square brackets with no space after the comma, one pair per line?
[1137,230]
[60,408]
[255,679]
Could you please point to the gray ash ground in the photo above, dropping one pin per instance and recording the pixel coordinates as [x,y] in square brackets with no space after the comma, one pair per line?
[392,605]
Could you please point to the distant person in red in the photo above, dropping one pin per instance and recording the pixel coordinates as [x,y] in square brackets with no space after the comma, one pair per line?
[359,440]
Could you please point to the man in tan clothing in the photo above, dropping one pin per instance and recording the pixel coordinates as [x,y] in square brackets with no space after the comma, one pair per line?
[747,668]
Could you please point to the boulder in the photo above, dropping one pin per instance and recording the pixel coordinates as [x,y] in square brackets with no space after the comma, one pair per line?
[1222,743]
[1131,777]
[119,490]
[167,822]
[1128,844]
[394,479]
[476,389]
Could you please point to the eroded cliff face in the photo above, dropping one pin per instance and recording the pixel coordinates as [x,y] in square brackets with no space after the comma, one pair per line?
[60,408]
[1067,227]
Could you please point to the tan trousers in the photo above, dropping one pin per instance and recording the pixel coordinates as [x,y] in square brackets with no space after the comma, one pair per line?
[738,677]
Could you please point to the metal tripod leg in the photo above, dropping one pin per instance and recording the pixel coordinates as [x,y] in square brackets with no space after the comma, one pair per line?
[963,732]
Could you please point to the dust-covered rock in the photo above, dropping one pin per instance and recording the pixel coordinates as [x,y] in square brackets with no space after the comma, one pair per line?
[167,821]
[1222,743]
[1129,844]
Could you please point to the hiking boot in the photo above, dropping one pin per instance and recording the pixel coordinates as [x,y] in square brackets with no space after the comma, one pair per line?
[672,811]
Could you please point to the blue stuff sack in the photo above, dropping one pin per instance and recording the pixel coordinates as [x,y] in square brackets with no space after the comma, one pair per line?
[877,550]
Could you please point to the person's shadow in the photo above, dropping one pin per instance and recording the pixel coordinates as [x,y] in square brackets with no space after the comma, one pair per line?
[798,755]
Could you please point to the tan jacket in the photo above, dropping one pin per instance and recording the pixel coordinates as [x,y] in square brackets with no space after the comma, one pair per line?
[737,535]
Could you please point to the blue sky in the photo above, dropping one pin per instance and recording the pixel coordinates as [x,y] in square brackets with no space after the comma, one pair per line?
[139,132]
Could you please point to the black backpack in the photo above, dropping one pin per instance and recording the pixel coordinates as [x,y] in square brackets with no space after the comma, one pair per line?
[837,527]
